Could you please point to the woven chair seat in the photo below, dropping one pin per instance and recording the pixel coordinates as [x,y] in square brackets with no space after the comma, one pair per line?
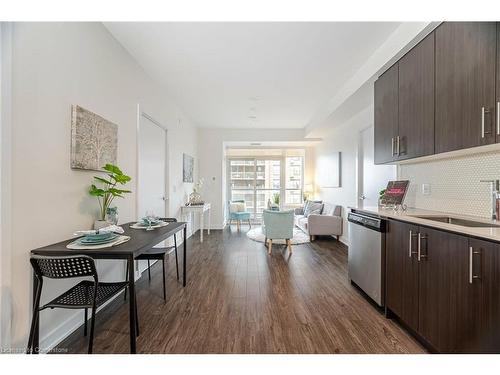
[81,295]
[154,253]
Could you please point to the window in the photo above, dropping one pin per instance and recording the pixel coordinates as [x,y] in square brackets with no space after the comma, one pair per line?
[242,182]
[294,180]
[268,184]
[258,180]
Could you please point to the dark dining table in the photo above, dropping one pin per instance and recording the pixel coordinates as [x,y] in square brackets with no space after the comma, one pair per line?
[140,241]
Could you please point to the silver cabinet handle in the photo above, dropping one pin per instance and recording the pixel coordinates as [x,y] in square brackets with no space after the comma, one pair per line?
[482,122]
[419,247]
[409,245]
[397,146]
[498,118]
[471,251]
[471,264]
[484,111]
[419,250]
[392,146]
[410,251]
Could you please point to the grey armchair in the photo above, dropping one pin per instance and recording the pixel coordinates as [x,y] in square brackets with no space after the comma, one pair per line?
[328,222]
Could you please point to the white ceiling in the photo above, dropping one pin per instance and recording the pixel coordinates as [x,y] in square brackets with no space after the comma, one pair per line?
[252,75]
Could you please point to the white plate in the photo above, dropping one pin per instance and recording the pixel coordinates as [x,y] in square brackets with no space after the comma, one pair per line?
[141,226]
[76,246]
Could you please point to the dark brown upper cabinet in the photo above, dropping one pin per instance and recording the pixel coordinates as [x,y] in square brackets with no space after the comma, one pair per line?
[416,101]
[465,85]
[386,116]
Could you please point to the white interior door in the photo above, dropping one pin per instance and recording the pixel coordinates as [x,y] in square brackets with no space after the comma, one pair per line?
[152,182]
[371,178]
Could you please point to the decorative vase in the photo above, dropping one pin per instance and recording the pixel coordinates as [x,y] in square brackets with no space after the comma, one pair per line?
[195,198]
[112,215]
[99,224]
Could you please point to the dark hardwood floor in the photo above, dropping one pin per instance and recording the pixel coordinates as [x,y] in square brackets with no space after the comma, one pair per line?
[238,299]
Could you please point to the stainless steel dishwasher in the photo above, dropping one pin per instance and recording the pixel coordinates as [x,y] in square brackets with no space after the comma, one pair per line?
[366,254]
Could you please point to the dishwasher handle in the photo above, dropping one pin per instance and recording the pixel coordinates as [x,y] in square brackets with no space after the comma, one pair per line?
[366,221]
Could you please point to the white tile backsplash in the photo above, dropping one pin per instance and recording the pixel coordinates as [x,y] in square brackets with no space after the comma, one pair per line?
[454,183]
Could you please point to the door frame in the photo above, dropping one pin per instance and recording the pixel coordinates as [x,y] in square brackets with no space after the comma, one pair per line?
[6,307]
[142,114]
[359,165]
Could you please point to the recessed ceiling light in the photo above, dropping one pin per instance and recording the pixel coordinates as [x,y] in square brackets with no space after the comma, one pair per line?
[252,117]
[255,144]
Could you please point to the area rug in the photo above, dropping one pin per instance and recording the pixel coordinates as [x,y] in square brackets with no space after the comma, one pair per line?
[298,236]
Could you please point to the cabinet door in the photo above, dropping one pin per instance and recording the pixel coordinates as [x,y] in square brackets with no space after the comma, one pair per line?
[486,275]
[446,299]
[386,115]
[416,100]
[402,272]
[465,85]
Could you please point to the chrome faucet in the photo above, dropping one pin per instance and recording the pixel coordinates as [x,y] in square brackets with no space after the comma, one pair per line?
[495,187]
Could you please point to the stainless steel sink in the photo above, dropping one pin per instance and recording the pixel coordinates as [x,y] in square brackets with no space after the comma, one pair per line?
[456,221]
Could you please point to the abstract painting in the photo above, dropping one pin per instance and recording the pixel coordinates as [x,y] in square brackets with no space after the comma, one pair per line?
[94,140]
[187,168]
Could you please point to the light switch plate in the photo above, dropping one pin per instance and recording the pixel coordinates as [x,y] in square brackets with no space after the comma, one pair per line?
[426,189]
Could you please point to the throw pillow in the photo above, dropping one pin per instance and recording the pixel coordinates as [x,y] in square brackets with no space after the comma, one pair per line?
[313,208]
[237,207]
[306,204]
[304,210]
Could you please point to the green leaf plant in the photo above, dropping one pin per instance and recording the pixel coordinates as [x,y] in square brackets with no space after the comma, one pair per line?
[109,190]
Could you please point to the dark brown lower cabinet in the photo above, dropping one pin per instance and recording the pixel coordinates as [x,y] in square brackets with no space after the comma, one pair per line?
[445,287]
[446,298]
[402,271]
[486,274]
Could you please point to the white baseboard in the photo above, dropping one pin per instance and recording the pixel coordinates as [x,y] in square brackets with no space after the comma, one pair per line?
[66,328]
[344,241]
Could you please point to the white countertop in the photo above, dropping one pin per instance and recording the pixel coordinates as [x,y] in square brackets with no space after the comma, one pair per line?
[491,233]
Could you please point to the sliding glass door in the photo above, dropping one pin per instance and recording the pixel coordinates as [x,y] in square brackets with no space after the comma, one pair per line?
[242,182]
[267,184]
[257,181]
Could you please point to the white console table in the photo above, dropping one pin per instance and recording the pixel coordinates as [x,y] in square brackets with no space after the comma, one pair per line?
[198,210]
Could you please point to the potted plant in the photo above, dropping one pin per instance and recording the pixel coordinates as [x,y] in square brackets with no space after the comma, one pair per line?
[108,192]
[381,196]
[276,198]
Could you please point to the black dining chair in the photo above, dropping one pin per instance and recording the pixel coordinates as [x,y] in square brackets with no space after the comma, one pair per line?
[160,253]
[87,294]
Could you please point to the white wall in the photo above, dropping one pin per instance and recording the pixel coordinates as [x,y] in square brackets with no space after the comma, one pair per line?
[213,164]
[56,65]
[344,138]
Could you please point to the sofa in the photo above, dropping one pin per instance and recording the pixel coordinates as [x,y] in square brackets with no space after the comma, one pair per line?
[326,222]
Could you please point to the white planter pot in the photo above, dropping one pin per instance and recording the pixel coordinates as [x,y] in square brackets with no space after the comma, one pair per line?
[99,224]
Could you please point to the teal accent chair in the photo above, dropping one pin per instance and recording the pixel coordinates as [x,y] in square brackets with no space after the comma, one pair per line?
[238,216]
[278,225]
